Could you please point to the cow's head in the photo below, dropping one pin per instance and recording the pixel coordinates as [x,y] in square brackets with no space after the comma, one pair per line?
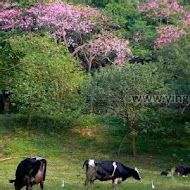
[136,174]
[16,184]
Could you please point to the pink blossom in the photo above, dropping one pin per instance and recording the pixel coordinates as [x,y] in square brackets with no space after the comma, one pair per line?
[55,16]
[60,19]
[106,44]
[161,8]
[165,9]
[167,34]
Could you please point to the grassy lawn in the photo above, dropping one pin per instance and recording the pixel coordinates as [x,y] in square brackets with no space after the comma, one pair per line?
[66,149]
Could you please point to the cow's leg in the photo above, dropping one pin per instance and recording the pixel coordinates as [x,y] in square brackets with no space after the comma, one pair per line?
[29,182]
[29,186]
[42,186]
[92,183]
[113,184]
[87,179]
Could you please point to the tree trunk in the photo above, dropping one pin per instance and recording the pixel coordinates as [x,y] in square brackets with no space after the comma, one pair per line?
[91,107]
[30,116]
[132,126]
[6,106]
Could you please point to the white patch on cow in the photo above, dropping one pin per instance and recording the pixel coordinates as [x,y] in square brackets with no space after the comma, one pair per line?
[91,163]
[118,180]
[37,158]
[137,172]
[114,168]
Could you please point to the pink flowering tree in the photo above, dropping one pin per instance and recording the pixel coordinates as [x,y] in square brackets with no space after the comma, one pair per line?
[162,10]
[57,18]
[105,49]
[167,34]
[72,25]
[173,20]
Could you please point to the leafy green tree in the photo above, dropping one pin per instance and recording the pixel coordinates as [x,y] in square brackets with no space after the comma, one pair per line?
[174,63]
[120,11]
[142,37]
[112,91]
[40,75]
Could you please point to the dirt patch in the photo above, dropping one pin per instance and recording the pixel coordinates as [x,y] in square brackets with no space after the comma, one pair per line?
[88,131]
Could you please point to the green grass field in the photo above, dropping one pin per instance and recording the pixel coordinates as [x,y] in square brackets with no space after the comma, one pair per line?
[66,148]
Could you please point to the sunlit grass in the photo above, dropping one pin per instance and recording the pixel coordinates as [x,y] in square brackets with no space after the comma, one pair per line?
[67,149]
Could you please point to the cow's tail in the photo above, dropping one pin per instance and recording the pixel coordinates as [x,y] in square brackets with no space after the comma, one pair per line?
[85,164]
[12,181]
[44,162]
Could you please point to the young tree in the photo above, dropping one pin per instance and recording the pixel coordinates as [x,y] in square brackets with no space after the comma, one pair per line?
[112,91]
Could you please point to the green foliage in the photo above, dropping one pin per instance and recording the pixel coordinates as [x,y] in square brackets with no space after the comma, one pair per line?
[187,128]
[142,37]
[174,62]
[120,12]
[99,3]
[45,75]
[9,59]
[25,4]
[184,2]
[125,80]
[111,90]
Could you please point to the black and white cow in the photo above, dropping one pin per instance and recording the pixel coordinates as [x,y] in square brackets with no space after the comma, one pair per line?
[108,170]
[182,170]
[29,172]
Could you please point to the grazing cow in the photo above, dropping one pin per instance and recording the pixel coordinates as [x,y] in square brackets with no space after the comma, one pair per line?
[181,170]
[108,170]
[29,172]
[169,172]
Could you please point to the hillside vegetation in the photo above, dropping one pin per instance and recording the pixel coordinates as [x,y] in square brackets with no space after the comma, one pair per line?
[104,79]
